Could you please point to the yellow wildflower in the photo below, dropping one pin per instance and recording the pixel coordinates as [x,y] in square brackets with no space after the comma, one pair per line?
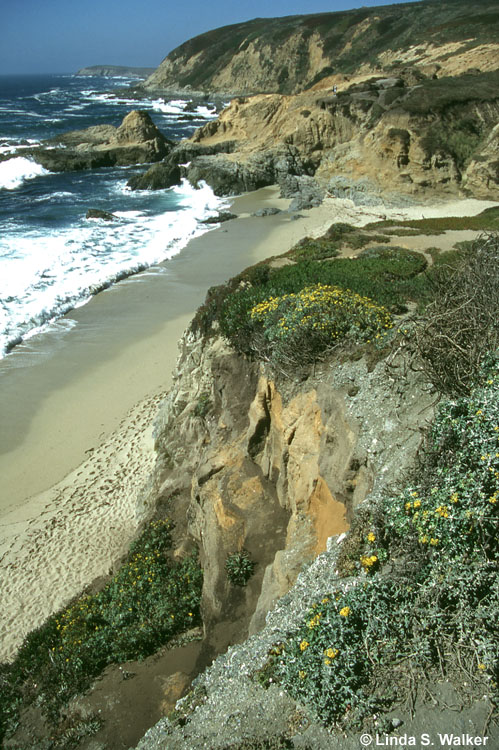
[368,561]
[314,621]
[304,645]
[345,611]
[371,537]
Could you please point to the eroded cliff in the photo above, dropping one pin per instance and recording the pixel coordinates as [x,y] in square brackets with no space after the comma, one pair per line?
[399,135]
[275,469]
[292,53]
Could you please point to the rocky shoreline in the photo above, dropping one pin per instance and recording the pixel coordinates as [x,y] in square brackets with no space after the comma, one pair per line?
[136,141]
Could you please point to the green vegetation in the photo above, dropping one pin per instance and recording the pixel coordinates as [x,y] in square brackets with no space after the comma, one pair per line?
[348,39]
[239,567]
[486,221]
[339,237]
[148,601]
[386,277]
[298,328]
[438,94]
[203,405]
[438,613]
[459,138]
[417,597]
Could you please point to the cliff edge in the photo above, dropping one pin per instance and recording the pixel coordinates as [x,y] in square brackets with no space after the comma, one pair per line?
[293,53]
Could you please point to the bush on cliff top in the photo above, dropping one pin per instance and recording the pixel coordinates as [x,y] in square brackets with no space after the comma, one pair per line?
[148,601]
[384,275]
[298,328]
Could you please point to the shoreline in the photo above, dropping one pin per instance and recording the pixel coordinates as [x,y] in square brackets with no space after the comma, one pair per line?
[78,448]
[77,415]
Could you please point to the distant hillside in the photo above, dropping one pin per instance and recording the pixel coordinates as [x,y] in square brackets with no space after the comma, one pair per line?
[117,71]
[290,54]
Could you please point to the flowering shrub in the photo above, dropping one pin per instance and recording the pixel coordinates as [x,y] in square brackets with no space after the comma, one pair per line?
[387,276]
[325,664]
[303,325]
[440,610]
[148,601]
[454,506]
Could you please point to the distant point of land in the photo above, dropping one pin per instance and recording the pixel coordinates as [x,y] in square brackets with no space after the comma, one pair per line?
[118,71]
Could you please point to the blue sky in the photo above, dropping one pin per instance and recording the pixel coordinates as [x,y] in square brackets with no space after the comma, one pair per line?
[60,36]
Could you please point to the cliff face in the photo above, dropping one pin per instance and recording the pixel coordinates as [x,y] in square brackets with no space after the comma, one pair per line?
[275,470]
[292,53]
[403,134]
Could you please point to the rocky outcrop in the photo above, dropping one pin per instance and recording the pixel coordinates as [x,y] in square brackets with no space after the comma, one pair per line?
[291,54]
[98,213]
[481,179]
[275,470]
[136,141]
[404,135]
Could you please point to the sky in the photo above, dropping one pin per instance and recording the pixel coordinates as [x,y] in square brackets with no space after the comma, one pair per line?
[60,36]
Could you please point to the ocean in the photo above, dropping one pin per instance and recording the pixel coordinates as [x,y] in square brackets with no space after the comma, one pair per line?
[53,259]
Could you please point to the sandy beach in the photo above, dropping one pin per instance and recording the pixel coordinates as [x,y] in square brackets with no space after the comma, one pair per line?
[77,407]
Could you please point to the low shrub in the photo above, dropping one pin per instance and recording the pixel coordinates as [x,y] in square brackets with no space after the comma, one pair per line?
[462,323]
[339,236]
[298,328]
[422,593]
[388,276]
[148,601]
[486,221]
[453,508]
[240,568]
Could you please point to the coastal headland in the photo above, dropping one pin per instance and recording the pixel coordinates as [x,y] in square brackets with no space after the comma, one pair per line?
[294,407]
[77,448]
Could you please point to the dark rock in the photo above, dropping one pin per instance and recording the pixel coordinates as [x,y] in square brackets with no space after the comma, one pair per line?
[171,170]
[304,190]
[231,177]
[97,213]
[225,176]
[158,177]
[115,71]
[136,141]
[271,211]
[221,216]
[363,192]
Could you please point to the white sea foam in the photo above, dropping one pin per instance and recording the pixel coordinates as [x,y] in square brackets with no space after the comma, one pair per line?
[173,107]
[203,111]
[39,97]
[8,147]
[14,172]
[45,274]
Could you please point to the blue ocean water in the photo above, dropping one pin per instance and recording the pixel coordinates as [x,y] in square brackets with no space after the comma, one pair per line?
[51,257]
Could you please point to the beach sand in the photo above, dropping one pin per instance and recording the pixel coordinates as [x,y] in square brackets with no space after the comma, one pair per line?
[77,407]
